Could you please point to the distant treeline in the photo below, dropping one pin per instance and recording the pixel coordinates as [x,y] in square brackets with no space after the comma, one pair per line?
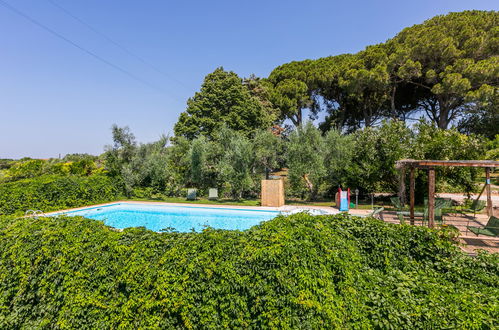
[314,165]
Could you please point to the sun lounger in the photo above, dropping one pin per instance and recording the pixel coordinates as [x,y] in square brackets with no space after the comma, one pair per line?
[490,229]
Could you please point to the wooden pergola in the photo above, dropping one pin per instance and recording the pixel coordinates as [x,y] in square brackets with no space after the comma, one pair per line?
[430,165]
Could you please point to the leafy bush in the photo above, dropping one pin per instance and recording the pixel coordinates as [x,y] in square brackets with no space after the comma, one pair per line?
[366,158]
[235,163]
[5,164]
[433,143]
[150,165]
[375,152]
[493,152]
[30,168]
[26,169]
[52,192]
[291,272]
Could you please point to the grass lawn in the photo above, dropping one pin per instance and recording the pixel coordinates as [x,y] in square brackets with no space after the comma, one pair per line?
[363,205]
[243,202]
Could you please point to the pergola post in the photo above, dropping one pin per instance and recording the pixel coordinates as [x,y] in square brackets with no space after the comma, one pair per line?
[402,185]
[411,195]
[489,193]
[431,197]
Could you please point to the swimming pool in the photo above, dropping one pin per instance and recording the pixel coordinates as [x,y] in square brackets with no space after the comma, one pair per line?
[178,218]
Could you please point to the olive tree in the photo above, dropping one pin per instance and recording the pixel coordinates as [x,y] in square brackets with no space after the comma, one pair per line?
[268,150]
[235,162]
[305,159]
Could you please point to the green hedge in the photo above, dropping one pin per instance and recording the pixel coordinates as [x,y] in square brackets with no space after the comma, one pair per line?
[295,272]
[49,193]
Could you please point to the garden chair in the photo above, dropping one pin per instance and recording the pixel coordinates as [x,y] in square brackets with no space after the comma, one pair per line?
[396,203]
[403,214]
[213,193]
[191,194]
[440,204]
[476,206]
[376,213]
[446,205]
[401,218]
[490,229]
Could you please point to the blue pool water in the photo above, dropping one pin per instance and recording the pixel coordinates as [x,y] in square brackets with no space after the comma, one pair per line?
[180,218]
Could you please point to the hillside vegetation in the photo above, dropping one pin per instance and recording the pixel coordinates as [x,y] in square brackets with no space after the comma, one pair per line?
[55,192]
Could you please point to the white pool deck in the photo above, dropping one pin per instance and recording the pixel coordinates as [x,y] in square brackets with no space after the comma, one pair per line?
[329,210]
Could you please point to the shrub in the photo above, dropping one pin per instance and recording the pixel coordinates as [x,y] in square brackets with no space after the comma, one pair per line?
[52,192]
[433,143]
[26,169]
[291,272]
[493,146]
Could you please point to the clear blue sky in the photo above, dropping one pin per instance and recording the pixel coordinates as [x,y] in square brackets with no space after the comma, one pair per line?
[56,99]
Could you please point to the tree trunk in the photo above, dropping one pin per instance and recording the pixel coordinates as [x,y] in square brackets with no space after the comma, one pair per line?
[367,117]
[443,122]
[294,120]
[445,106]
[299,118]
[310,185]
[443,115]
[392,102]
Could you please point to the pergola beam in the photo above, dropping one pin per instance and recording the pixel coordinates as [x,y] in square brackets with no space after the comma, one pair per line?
[430,165]
[433,163]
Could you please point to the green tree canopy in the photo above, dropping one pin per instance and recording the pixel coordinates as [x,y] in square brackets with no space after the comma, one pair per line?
[452,60]
[224,100]
[268,149]
[446,69]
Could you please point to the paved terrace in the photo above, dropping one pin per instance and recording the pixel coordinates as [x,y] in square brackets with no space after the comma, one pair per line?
[470,242]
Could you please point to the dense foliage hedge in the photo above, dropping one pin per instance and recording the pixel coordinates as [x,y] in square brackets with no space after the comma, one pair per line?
[300,272]
[53,192]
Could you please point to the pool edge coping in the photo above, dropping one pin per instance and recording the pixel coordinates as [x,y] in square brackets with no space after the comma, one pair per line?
[239,207]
